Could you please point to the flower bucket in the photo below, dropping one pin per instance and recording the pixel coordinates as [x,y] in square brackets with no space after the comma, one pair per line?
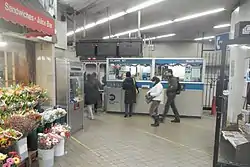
[46,158]
[59,148]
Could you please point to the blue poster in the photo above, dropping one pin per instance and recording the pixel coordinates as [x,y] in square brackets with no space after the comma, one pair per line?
[219,39]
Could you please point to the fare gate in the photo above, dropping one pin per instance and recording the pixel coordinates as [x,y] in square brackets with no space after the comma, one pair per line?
[212,73]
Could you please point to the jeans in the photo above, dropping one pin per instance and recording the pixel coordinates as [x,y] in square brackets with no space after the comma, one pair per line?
[171,102]
[128,109]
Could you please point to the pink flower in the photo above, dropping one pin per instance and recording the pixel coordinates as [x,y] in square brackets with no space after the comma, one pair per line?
[6,165]
[10,161]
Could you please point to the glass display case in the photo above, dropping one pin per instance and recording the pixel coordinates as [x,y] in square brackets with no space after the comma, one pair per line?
[139,68]
[187,70]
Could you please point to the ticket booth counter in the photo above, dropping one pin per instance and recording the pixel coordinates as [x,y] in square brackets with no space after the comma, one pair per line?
[189,72]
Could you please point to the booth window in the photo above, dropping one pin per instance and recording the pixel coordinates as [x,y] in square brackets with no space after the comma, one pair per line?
[141,71]
[185,70]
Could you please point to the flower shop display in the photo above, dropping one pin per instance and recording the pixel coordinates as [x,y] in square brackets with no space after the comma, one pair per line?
[64,132]
[46,143]
[51,114]
[23,124]
[19,98]
[11,159]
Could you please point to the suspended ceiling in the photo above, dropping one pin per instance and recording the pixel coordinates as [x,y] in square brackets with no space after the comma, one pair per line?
[93,10]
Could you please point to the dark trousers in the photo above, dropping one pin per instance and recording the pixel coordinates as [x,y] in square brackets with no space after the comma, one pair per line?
[171,102]
[153,110]
[128,109]
[97,103]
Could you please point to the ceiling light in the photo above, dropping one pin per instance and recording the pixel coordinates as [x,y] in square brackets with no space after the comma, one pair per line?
[89,26]
[120,14]
[114,16]
[245,47]
[176,20]
[159,37]
[199,14]
[143,5]
[204,38]
[3,44]
[156,25]
[222,26]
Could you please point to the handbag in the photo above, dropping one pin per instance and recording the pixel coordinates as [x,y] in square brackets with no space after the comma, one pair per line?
[149,98]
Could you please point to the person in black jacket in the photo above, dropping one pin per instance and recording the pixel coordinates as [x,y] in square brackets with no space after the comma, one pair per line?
[129,85]
[98,86]
[91,94]
[171,94]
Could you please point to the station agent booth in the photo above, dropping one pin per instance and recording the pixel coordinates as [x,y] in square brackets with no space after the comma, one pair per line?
[190,72]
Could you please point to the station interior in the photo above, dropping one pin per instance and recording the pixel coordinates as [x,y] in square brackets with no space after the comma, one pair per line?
[64,45]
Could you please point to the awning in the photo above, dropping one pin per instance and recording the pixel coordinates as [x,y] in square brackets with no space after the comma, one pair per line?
[27,13]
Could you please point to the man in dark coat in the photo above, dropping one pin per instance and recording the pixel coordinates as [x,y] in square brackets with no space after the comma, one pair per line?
[98,86]
[91,94]
[129,85]
[171,94]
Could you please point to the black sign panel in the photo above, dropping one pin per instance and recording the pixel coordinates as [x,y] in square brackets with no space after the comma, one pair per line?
[132,49]
[106,49]
[85,49]
[242,29]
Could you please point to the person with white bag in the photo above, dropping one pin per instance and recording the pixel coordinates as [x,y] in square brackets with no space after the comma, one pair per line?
[156,96]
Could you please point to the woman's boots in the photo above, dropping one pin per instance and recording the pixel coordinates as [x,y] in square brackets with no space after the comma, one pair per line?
[156,121]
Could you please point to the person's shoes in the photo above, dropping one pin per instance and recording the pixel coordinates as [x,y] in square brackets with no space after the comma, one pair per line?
[176,121]
[130,115]
[125,116]
[161,120]
[156,123]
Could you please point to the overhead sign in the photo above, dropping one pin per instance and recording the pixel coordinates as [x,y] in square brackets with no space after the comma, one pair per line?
[15,12]
[242,29]
[219,39]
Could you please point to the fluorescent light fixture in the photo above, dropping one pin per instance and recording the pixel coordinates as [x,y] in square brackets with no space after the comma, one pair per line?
[172,21]
[89,26]
[199,14]
[159,37]
[204,38]
[222,26]
[3,44]
[245,47]
[143,5]
[157,25]
[117,15]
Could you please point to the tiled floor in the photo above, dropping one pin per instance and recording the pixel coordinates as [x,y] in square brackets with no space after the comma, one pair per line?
[112,141]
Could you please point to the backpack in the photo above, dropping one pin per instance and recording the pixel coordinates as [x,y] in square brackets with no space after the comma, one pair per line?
[178,90]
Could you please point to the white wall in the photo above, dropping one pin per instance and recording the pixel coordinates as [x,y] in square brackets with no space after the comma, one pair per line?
[175,49]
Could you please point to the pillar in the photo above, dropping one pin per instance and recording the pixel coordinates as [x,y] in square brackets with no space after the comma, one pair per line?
[45,69]
[237,71]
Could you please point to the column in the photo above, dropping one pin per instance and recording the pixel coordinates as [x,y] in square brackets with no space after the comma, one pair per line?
[238,57]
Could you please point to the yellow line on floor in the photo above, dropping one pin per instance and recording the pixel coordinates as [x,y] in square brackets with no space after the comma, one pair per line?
[92,151]
[175,143]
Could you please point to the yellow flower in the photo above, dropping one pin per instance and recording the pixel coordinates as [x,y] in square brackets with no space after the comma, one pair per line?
[16,160]
[2,157]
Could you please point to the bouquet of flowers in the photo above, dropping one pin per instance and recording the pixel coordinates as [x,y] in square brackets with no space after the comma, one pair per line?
[23,124]
[50,115]
[12,159]
[21,97]
[62,130]
[47,141]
